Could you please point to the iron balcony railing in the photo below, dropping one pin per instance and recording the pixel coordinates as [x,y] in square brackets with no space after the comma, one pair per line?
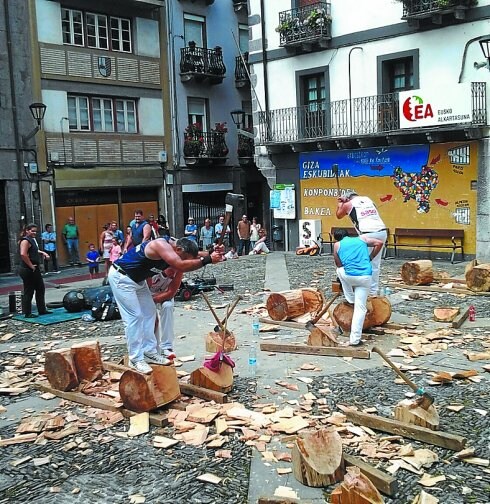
[363,116]
[305,24]
[198,60]
[205,145]
[242,70]
[245,147]
[420,7]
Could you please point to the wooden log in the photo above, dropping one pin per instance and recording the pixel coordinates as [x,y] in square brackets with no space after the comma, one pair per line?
[378,313]
[356,489]
[407,411]
[417,272]
[203,393]
[60,369]
[322,335]
[317,458]
[446,314]
[384,482]
[140,392]
[312,350]
[437,438]
[290,304]
[88,360]
[478,277]
[460,319]
[221,381]
[214,342]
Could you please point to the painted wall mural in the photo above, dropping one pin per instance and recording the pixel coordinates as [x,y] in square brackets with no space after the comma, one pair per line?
[414,186]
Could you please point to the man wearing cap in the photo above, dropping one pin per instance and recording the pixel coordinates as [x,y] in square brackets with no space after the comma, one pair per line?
[190,230]
[368,223]
[243,229]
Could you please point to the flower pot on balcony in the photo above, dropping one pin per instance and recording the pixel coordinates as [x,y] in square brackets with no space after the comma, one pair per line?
[192,148]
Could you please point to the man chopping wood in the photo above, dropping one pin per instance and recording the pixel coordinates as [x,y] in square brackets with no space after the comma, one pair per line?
[354,269]
[368,223]
[127,278]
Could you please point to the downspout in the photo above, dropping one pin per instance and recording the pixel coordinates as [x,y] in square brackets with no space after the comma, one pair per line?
[264,58]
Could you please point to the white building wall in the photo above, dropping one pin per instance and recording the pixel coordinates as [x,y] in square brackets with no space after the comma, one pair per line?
[147,38]
[150,112]
[56,108]
[49,22]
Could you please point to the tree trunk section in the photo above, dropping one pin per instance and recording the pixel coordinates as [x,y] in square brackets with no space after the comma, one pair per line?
[317,458]
[478,277]
[291,304]
[140,392]
[378,313]
[221,381]
[214,342]
[60,369]
[447,314]
[417,272]
[356,489]
[322,335]
[88,360]
[407,411]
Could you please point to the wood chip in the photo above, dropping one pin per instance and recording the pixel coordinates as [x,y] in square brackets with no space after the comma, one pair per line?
[455,407]
[22,438]
[164,442]
[287,492]
[477,461]
[209,478]
[41,461]
[284,470]
[478,356]
[425,498]
[429,481]
[422,458]
[467,452]
[226,454]
[139,424]
[187,358]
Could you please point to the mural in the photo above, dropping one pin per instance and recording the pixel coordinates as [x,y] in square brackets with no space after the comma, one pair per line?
[414,186]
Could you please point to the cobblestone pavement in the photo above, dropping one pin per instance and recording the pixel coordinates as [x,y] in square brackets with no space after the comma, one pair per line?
[110,469]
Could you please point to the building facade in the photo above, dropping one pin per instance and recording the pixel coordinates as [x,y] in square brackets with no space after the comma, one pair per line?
[393,105]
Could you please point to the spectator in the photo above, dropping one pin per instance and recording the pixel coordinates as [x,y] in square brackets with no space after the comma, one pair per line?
[254,232]
[262,246]
[243,229]
[218,231]
[70,238]
[128,238]
[117,232]
[154,227]
[140,231]
[163,229]
[191,230]
[231,254]
[116,251]
[93,258]
[49,245]
[105,245]
[206,236]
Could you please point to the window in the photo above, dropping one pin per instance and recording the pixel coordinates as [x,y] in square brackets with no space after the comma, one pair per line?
[197,112]
[97,114]
[400,74]
[72,26]
[398,71]
[97,31]
[313,120]
[194,30]
[248,119]
[120,34]
[314,91]
[243,37]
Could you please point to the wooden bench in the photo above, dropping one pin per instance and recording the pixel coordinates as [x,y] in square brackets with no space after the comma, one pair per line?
[456,236]
[352,232]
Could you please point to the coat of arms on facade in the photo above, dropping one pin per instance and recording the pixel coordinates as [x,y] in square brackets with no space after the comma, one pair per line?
[105,66]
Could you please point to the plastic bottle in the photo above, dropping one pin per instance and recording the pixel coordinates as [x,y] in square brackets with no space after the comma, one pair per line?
[252,359]
[255,327]
[471,314]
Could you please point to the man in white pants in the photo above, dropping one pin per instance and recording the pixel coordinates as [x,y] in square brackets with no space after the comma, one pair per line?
[368,223]
[163,287]
[354,269]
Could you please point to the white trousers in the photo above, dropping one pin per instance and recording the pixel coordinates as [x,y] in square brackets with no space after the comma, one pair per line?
[356,290]
[165,330]
[259,248]
[376,262]
[138,313]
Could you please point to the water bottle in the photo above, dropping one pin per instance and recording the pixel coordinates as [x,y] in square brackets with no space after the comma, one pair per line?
[252,359]
[255,327]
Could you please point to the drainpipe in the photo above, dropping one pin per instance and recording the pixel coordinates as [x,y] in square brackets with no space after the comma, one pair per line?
[350,90]
[264,58]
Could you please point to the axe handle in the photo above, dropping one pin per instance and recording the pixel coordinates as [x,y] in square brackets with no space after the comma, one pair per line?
[212,311]
[325,309]
[226,223]
[412,385]
[230,309]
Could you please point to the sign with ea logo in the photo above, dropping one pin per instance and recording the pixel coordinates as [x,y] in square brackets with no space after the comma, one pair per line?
[429,107]
[105,66]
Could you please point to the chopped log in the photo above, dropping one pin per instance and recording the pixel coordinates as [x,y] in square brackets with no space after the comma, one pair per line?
[290,304]
[478,277]
[384,482]
[446,314]
[140,392]
[322,335]
[88,360]
[317,458]
[60,369]
[214,342]
[378,313]
[221,381]
[417,272]
[407,411]
[460,319]
[356,489]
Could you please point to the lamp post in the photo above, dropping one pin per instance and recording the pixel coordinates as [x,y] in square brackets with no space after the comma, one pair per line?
[485,49]
[350,89]
[238,117]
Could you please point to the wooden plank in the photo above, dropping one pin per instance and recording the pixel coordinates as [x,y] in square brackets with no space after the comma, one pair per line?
[276,500]
[384,482]
[156,419]
[459,320]
[428,288]
[437,438]
[312,350]
[283,323]
[202,393]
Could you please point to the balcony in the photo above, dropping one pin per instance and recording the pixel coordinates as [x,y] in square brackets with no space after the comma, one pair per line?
[368,119]
[242,70]
[305,29]
[245,149]
[239,5]
[204,148]
[202,65]
[435,11]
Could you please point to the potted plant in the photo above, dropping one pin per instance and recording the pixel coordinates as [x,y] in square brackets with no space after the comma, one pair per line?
[317,18]
[218,145]
[193,140]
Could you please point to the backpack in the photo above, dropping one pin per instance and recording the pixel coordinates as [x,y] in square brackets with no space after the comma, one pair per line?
[105,308]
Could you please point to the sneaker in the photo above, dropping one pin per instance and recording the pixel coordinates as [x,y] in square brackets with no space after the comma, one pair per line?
[47,312]
[57,271]
[141,366]
[31,315]
[156,358]
[169,353]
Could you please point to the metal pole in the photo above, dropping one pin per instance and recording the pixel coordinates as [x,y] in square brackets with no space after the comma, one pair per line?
[350,90]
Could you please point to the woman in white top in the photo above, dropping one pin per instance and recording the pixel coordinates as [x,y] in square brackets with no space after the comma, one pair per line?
[254,232]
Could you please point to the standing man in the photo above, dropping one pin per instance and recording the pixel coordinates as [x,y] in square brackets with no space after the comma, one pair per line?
[140,231]
[218,231]
[243,229]
[206,236]
[368,223]
[49,244]
[70,238]
[118,234]
[353,261]
[127,278]
[154,226]
[190,230]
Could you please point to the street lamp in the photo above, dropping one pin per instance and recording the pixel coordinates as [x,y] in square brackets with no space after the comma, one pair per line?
[238,117]
[38,110]
[485,49]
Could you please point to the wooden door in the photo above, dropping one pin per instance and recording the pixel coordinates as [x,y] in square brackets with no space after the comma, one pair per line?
[86,218]
[62,214]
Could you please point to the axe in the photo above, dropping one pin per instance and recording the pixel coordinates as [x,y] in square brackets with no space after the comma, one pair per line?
[311,323]
[335,169]
[425,399]
[229,311]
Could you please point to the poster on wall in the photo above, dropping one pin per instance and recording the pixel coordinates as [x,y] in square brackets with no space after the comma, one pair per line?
[287,202]
[413,186]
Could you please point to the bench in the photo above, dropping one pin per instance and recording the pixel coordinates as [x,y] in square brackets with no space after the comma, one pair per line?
[456,236]
[352,232]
